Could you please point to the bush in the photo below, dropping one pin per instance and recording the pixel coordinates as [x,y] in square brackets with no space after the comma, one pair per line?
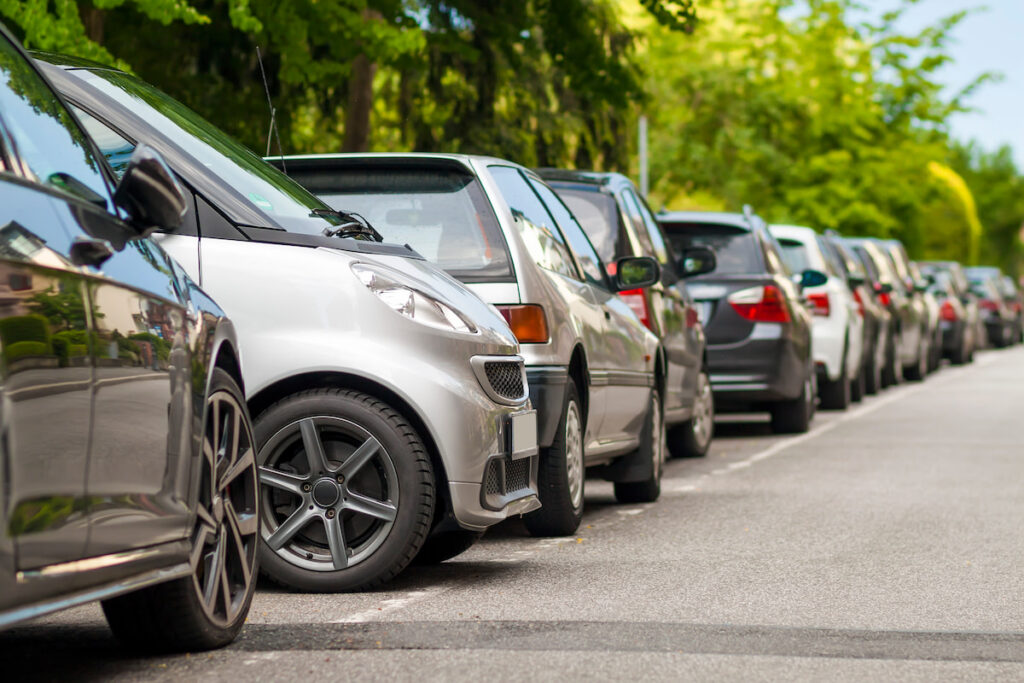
[22,328]
[25,348]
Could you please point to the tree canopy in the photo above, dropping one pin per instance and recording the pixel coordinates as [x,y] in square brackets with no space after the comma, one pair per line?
[804,109]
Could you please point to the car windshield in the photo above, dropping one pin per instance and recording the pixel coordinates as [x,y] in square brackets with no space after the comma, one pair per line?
[266,190]
[442,213]
[598,215]
[735,248]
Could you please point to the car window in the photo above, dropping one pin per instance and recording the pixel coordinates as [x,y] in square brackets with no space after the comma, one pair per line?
[116,149]
[442,213]
[772,253]
[794,253]
[647,229]
[536,226]
[573,233]
[735,248]
[598,215]
[47,137]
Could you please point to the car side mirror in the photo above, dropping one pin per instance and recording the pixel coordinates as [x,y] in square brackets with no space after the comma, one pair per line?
[697,261]
[150,194]
[855,281]
[812,278]
[921,287]
[634,272]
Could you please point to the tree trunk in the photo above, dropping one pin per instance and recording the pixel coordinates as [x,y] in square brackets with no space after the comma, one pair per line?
[92,20]
[360,104]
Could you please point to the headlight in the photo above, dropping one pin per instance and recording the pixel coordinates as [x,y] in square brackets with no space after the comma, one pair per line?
[412,303]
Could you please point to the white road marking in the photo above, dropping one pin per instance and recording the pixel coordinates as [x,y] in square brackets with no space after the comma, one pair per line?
[391,605]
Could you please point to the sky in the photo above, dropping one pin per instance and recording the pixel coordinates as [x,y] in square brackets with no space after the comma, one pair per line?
[991,39]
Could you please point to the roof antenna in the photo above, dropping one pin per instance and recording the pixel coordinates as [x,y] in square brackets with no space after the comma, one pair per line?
[273,114]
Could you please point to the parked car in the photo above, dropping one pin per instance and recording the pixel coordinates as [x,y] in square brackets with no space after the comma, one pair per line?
[619,224]
[597,375]
[997,312]
[958,312]
[875,316]
[838,327]
[892,296]
[914,311]
[758,328]
[1010,295]
[392,416]
[127,463]
[933,307]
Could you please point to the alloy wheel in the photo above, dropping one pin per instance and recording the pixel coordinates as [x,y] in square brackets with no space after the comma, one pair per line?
[330,493]
[224,541]
[574,454]
[658,436]
[703,412]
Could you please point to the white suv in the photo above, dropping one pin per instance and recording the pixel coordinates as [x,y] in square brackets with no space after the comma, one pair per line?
[838,322]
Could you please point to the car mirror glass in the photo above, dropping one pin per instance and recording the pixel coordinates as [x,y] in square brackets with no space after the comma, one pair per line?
[697,261]
[634,272]
[812,278]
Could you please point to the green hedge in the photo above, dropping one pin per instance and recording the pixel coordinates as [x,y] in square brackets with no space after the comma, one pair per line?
[22,328]
[25,348]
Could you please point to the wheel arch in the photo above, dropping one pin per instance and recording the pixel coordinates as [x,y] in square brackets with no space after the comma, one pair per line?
[579,373]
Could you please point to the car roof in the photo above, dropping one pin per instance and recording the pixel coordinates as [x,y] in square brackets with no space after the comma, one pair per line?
[325,159]
[737,220]
[598,180]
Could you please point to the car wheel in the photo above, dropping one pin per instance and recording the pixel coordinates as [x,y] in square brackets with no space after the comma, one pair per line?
[692,439]
[794,416]
[918,370]
[890,371]
[207,609]
[857,388]
[963,354]
[836,395]
[347,490]
[446,545]
[872,377]
[561,479]
[652,445]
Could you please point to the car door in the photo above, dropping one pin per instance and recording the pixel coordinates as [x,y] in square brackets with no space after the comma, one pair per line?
[141,404]
[45,337]
[620,358]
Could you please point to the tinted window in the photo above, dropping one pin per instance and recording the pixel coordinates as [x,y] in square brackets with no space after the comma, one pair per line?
[735,248]
[647,228]
[598,214]
[442,213]
[265,189]
[542,239]
[115,148]
[571,230]
[48,139]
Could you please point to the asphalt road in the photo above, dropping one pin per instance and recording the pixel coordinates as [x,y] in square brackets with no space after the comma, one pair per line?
[886,544]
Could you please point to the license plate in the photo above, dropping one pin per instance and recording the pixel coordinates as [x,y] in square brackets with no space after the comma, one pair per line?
[522,434]
[703,311]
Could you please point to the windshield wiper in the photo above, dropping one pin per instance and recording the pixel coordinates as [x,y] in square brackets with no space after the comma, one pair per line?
[352,225]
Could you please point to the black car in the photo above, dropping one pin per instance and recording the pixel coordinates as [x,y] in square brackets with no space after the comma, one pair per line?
[997,310]
[619,224]
[757,324]
[126,464]
[958,309]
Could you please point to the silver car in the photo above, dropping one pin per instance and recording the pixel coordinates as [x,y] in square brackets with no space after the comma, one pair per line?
[596,373]
[390,401]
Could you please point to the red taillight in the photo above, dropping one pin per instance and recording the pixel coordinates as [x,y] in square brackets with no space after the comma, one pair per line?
[947,312]
[1017,307]
[636,299]
[761,304]
[527,322]
[820,304]
[989,305]
[883,297]
[692,319]
[860,302]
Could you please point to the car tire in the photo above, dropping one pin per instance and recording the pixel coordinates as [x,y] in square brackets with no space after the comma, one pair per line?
[794,416]
[857,386]
[561,479]
[692,438]
[918,371]
[836,394]
[207,609]
[872,377]
[653,447]
[446,545]
[347,489]
[962,355]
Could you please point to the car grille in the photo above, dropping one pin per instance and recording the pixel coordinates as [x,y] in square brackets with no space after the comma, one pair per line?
[505,478]
[517,474]
[505,378]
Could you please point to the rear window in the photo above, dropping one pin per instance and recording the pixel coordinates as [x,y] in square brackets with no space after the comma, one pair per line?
[794,253]
[598,215]
[441,213]
[735,248]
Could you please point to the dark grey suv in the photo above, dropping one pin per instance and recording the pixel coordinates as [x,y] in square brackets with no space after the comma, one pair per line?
[126,463]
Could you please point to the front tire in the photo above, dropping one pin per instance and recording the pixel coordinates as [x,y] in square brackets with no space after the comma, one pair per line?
[561,479]
[652,446]
[692,439]
[206,610]
[347,489]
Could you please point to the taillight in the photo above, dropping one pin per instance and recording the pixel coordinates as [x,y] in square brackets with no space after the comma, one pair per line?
[636,299]
[692,319]
[860,302]
[819,304]
[761,304]
[527,322]
[883,297]
[947,312]
[989,305]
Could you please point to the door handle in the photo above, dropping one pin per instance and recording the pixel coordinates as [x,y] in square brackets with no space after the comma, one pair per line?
[87,251]
[607,314]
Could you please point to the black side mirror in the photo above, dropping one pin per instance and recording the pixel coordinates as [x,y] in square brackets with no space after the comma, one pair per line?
[697,261]
[634,272]
[855,281]
[812,278]
[149,193]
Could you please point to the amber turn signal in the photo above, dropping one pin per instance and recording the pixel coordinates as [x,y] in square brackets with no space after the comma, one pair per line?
[527,322]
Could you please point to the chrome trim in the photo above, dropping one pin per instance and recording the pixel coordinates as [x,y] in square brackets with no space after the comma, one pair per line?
[621,378]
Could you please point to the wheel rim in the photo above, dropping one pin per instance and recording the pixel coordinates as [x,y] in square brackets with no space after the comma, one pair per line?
[657,436]
[703,411]
[574,454]
[224,540]
[330,493]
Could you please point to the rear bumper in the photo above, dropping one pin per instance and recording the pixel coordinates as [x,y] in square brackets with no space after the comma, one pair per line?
[757,370]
